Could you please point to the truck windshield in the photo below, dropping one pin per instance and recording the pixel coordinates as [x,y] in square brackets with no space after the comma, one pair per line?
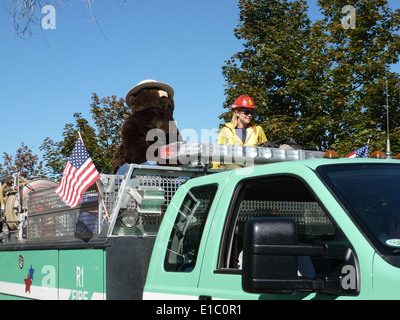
[371,194]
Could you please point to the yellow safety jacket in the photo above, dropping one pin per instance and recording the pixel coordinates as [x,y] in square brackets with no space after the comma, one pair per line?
[254,135]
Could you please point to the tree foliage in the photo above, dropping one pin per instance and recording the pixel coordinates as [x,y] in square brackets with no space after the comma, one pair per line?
[101,139]
[25,162]
[321,83]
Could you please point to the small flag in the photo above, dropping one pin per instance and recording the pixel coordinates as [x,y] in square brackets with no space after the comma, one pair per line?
[79,174]
[359,153]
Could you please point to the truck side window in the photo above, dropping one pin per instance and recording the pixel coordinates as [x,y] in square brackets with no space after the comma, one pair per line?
[188,228]
[283,196]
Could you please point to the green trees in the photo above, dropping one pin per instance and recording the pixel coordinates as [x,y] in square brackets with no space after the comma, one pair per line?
[24,161]
[101,141]
[322,83]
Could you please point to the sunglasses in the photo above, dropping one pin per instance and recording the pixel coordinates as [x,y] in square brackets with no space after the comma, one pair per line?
[247,112]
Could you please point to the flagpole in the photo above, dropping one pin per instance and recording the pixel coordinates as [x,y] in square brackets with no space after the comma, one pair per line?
[98,187]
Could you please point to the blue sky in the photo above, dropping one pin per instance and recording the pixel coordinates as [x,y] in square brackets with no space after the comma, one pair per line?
[182,42]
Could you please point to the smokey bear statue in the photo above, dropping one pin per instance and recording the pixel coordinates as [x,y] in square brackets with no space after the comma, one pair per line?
[150,123]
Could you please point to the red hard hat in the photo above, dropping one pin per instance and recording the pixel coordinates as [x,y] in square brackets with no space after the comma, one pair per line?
[244,102]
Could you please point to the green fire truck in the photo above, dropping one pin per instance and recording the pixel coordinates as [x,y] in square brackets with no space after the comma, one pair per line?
[293,225]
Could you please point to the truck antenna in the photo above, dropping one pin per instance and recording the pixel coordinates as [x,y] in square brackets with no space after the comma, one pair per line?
[388,155]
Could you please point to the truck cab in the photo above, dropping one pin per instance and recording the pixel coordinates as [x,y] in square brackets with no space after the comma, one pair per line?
[307,229]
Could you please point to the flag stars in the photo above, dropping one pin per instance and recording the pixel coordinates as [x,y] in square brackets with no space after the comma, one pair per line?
[79,155]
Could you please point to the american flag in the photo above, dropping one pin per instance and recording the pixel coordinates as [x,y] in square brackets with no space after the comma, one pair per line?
[79,174]
[359,153]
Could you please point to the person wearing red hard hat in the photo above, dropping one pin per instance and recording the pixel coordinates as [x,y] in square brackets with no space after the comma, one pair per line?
[243,102]
[241,130]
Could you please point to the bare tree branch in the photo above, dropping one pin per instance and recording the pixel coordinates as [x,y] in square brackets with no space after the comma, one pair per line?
[95,19]
[27,13]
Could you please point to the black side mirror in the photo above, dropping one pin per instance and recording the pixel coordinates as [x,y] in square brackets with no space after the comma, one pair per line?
[270,260]
[258,268]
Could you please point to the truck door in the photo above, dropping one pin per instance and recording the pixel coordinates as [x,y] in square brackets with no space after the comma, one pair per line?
[176,262]
[280,195]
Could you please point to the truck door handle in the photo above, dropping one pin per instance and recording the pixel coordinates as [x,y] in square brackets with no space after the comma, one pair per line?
[205,298]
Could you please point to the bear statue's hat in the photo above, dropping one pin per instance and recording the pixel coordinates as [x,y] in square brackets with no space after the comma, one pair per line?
[150,84]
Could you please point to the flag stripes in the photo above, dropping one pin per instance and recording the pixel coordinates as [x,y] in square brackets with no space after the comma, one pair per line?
[79,174]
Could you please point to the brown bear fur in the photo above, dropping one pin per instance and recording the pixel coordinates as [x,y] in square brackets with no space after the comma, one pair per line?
[149,111]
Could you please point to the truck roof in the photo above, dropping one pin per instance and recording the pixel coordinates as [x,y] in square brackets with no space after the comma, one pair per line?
[309,163]
[314,163]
